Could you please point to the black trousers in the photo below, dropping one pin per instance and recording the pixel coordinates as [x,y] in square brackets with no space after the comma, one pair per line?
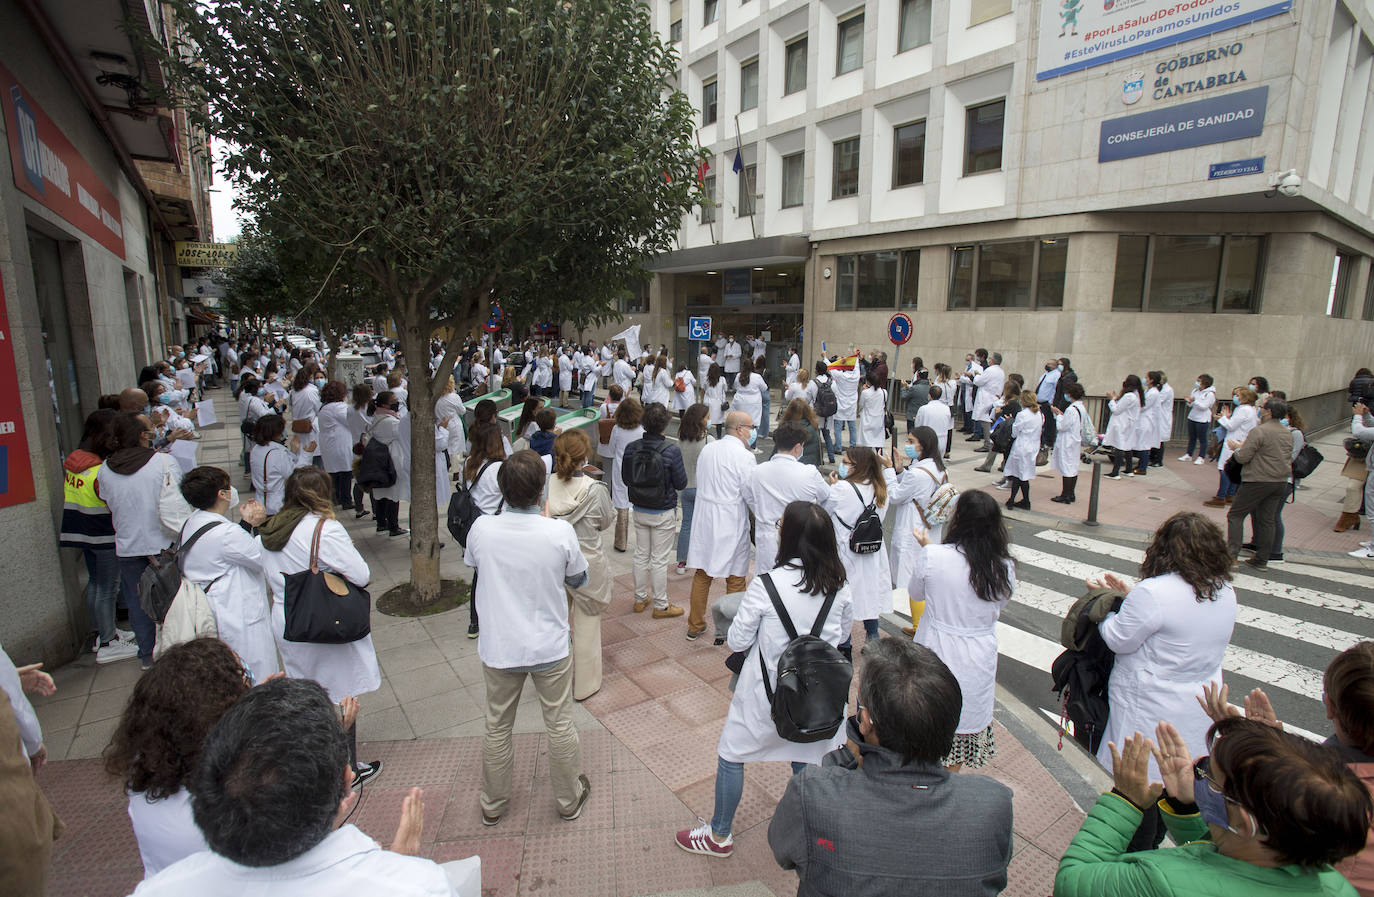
[472,600]
[343,488]
[1261,501]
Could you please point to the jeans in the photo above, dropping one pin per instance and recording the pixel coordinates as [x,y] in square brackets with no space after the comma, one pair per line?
[1226,488]
[130,569]
[653,549]
[730,379]
[870,629]
[763,424]
[839,432]
[978,429]
[587,398]
[729,789]
[684,532]
[1142,460]
[1197,437]
[102,590]
[829,442]
[1278,523]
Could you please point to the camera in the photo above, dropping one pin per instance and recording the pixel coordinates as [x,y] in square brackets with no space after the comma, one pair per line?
[1287,183]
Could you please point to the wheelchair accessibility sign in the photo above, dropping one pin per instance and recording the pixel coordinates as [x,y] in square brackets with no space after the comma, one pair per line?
[699,328]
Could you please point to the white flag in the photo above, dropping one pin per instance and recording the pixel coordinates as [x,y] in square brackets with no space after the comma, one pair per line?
[631,337]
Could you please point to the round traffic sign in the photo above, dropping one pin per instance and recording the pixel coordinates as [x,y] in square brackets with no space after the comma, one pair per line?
[899,329]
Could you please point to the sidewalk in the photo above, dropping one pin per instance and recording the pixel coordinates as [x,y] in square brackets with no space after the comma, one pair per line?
[648,742]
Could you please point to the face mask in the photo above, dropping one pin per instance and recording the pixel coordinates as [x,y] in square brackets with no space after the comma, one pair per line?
[1049,367]
[262,391]
[1197,384]
[909,450]
[320,381]
[233,497]
[1060,367]
[753,436]
[164,399]
[1211,805]
[147,409]
[1254,387]
[842,470]
[1284,421]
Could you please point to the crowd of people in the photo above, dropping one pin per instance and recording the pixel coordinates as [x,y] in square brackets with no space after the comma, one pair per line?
[238,748]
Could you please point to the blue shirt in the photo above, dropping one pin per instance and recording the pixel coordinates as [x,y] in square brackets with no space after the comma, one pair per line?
[1044,391]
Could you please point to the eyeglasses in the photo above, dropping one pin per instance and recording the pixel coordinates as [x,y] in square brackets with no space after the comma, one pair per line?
[247,675]
[1202,771]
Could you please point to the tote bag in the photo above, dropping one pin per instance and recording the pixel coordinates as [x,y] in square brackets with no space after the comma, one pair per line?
[324,608]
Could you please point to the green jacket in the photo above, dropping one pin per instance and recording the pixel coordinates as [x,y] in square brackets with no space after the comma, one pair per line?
[1096,863]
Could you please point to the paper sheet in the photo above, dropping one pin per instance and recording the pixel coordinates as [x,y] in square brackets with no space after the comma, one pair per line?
[205,414]
[186,378]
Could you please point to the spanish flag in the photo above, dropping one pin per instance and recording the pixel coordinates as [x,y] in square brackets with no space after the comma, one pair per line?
[848,363]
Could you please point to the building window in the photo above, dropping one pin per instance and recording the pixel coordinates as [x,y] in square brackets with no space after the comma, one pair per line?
[708,102]
[983,137]
[794,67]
[845,181]
[745,206]
[708,11]
[911,273]
[675,32]
[749,85]
[793,173]
[867,280]
[708,205]
[1025,274]
[1341,270]
[914,28]
[908,154]
[849,45]
[981,11]
[1200,273]
[634,300]
[1369,297]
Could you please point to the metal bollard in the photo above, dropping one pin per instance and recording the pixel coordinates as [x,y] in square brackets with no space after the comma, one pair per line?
[1092,496]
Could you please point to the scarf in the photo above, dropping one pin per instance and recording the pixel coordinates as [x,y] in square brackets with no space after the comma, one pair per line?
[128,461]
[277,529]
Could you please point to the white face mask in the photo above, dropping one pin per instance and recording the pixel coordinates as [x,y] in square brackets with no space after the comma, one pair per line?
[233,497]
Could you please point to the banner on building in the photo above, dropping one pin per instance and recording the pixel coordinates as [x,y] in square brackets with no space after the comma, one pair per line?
[16,471]
[51,170]
[1214,120]
[1074,35]
[206,255]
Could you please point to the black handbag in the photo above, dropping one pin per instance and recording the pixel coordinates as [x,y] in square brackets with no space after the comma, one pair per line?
[1232,469]
[324,608]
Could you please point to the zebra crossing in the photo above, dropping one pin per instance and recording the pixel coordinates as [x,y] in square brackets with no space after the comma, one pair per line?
[1292,620]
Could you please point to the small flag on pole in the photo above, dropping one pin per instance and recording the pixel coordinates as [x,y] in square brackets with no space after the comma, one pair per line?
[848,363]
[704,167]
[739,163]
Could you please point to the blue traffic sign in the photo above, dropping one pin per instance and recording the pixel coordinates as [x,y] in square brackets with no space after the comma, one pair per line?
[899,329]
[699,328]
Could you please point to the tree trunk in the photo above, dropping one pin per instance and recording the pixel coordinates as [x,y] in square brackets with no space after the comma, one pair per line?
[424,514]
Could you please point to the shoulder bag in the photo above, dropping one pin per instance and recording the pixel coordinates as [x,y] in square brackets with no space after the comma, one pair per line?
[324,608]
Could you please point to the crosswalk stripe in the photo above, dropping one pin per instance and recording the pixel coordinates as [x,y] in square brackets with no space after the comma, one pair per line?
[1294,730]
[1276,624]
[1309,597]
[1241,580]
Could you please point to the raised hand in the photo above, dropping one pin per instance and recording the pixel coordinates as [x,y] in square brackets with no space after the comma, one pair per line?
[1175,762]
[1131,770]
[1258,708]
[407,840]
[1214,702]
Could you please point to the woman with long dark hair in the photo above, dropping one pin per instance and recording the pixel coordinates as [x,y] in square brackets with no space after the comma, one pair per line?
[808,571]
[526,426]
[965,582]
[749,390]
[1124,433]
[305,408]
[713,397]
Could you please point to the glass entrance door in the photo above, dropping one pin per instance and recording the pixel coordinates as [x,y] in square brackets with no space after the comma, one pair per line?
[51,290]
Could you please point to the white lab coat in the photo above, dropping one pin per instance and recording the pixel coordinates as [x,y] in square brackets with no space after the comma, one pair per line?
[1243,419]
[937,416]
[165,829]
[543,372]
[749,734]
[450,407]
[990,383]
[960,628]
[774,485]
[914,487]
[623,375]
[730,354]
[656,387]
[966,380]
[1165,414]
[789,373]
[1150,420]
[683,400]
[749,397]
[872,408]
[565,373]
[1123,429]
[336,440]
[269,466]
[620,440]
[1200,402]
[1168,645]
[719,542]
[704,363]
[229,562]
[1068,440]
[387,429]
[1025,445]
[845,385]
[714,399]
[869,574]
[343,670]
[305,405]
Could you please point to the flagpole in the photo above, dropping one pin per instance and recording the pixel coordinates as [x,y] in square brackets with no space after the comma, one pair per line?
[701,182]
[744,173]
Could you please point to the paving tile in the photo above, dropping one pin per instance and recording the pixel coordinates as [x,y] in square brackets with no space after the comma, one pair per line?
[697,705]
[119,675]
[614,631]
[91,738]
[647,861]
[617,692]
[58,742]
[642,724]
[641,799]
[771,778]
[409,657]
[468,669]
[1031,873]
[584,721]
[707,665]
[395,634]
[631,655]
[64,714]
[424,682]
[662,677]
[751,861]
[80,791]
[501,861]
[598,813]
[98,859]
[755,806]
[71,680]
[567,863]
[426,762]
[681,761]
[379,809]
[1055,839]
[462,816]
[383,725]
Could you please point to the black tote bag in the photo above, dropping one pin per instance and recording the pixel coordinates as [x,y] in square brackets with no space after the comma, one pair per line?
[324,608]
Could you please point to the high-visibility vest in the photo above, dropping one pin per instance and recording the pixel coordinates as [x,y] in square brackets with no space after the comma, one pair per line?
[86,520]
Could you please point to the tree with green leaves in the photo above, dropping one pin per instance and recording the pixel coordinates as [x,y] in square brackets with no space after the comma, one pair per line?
[532,151]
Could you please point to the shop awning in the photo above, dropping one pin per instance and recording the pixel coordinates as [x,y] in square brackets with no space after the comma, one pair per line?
[787,250]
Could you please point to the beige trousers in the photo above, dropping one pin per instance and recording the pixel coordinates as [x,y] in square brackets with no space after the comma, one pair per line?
[554,687]
[586,651]
[655,542]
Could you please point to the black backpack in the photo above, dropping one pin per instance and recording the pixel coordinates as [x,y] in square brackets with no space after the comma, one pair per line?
[1080,674]
[645,474]
[866,534]
[463,510]
[826,405]
[813,678]
[1001,435]
[375,470]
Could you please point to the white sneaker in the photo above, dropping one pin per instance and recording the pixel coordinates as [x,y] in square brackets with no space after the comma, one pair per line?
[1185,457]
[116,650]
[1366,553]
[1199,460]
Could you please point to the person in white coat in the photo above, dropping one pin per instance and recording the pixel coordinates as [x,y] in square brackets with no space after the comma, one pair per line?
[800,387]
[704,362]
[542,381]
[965,582]
[348,669]
[1068,441]
[844,382]
[719,543]
[749,388]
[1123,429]
[386,428]
[872,409]
[910,498]
[937,415]
[448,413]
[713,397]
[1236,421]
[991,381]
[789,371]
[251,407]
[270,462]
[809,580]
[685,397]
[656,383]
[629,416]
[565,374]
[1164,415]
[729,358]
[1025,445]
[305,407]
[1149,421]
[1170,634]
[775,484]
[862,479]
[227,563]
[336,442]
[622,374]
[1200,401]
[358,420]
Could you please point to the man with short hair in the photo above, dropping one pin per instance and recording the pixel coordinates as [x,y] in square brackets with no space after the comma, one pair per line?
[942,832]
[719,543]
[775,484]
[730,353]
[1045,390]
[526,560]
[652,507]
[989,384]
[271,793]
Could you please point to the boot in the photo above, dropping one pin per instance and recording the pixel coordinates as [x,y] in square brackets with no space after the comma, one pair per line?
[622,529]
[1346,521]
[986,466]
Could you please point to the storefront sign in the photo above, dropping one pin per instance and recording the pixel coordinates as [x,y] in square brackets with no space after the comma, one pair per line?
[48,168]
[1074,35]
[736,283]
[206,255]
[16,472]
[1198,123]
[1235,169]
[201,288]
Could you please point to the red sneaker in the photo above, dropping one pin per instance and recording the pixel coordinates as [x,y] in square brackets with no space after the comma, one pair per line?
[700,840]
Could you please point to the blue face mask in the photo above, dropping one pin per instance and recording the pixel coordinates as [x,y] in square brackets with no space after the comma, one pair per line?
[842,470]
[909,450]
[753,436]
[164,399]
[262,391]
[1210,804]
[1284,421]
[320,381]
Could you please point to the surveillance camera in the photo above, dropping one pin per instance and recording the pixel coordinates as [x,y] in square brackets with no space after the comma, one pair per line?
[1288,183]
